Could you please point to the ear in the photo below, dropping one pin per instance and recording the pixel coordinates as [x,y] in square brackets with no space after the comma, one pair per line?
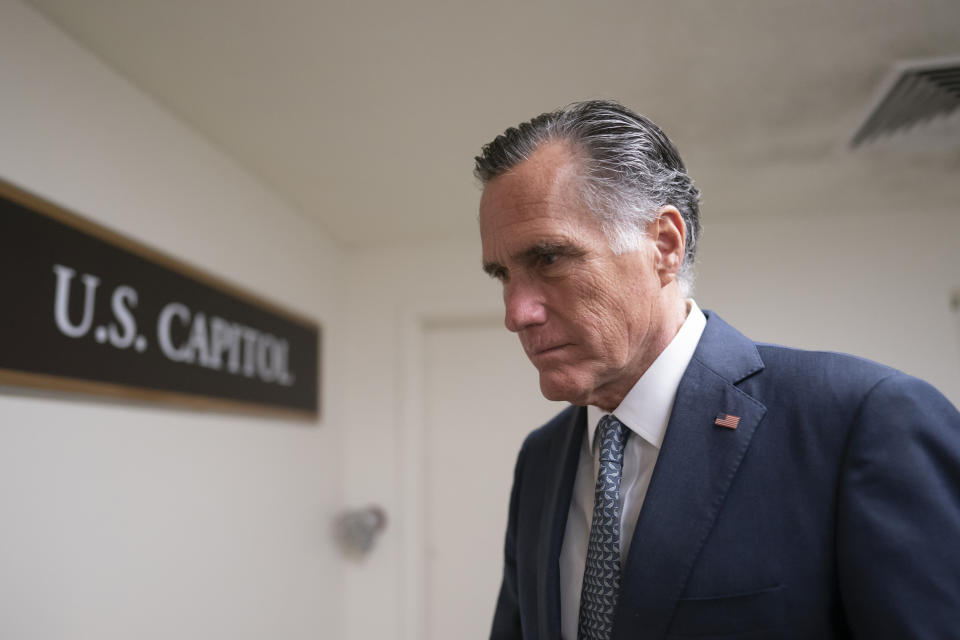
[670,235]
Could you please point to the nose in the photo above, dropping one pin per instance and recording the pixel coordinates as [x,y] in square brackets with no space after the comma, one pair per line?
[524,306]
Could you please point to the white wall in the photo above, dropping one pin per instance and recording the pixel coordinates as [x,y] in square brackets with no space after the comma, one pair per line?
[875,284]
[125,521]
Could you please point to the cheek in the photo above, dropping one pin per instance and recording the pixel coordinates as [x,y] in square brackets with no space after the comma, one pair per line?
[601,319]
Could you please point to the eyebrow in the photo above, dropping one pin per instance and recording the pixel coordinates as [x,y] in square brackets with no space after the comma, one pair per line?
[562,248]
[493,269]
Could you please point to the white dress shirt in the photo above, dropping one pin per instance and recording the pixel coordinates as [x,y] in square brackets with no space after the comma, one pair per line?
[645,410]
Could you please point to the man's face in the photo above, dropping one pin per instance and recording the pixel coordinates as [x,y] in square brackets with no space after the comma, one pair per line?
[589,320]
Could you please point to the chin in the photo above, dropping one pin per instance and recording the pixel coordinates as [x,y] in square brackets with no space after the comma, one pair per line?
[563,389]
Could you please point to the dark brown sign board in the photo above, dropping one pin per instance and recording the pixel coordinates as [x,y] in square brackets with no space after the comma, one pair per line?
[84,309]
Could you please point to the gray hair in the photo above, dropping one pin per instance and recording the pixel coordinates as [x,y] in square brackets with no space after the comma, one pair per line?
[631,169]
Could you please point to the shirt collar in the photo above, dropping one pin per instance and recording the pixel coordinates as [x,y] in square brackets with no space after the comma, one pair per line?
[646,408]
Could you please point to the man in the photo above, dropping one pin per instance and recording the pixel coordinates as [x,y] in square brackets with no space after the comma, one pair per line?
[700,485]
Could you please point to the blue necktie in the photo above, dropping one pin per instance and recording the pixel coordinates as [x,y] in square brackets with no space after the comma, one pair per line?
[601,577]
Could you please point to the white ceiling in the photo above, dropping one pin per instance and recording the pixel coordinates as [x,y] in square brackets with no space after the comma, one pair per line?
[365,114]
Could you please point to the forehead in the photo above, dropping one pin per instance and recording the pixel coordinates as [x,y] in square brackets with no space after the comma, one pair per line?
[540,195]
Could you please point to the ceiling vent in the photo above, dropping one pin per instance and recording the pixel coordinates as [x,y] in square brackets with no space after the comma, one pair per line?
[915,92]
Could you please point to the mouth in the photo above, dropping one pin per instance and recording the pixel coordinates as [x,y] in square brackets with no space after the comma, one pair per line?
[547,351]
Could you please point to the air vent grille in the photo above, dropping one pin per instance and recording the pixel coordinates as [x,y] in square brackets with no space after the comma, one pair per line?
[915,92]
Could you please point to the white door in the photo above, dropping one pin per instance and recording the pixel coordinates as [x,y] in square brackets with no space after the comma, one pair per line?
[481,398]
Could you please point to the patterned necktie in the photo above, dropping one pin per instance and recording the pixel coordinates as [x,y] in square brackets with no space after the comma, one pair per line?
[601,577]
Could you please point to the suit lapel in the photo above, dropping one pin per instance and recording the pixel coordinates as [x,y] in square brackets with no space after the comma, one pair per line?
[696,466]
[553,520]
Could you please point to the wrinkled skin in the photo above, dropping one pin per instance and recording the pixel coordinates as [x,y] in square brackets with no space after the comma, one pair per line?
[590,321]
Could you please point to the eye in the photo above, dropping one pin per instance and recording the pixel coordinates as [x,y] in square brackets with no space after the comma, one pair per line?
[547,258]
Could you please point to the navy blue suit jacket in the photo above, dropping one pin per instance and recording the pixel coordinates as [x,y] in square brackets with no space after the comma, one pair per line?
[832,511]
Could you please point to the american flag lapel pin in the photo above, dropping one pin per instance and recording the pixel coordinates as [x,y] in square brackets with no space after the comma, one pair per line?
[727,420]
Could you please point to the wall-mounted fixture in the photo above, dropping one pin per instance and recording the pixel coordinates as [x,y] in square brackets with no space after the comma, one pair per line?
[356,530]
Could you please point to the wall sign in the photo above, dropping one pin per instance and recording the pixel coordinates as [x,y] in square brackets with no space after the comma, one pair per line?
[85,309]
